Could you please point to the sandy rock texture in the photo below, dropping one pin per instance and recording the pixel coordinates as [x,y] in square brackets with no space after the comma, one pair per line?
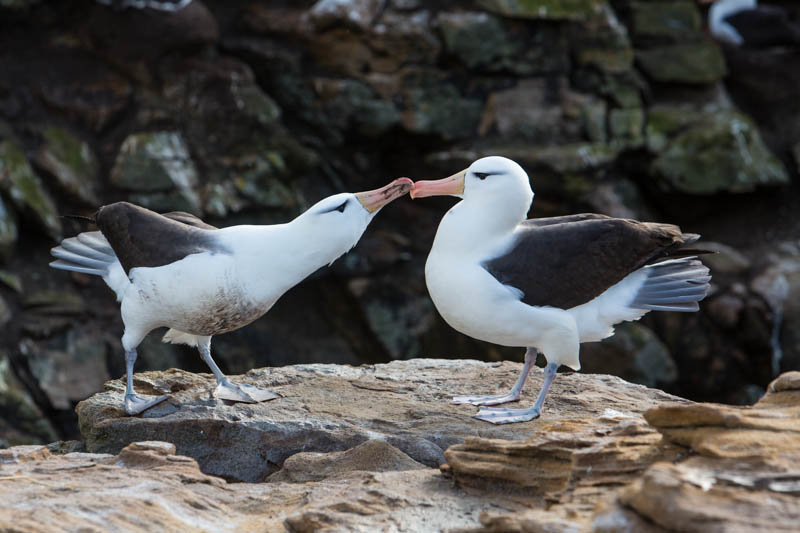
[342,449]
[146,487]
[331,408]
[248,112]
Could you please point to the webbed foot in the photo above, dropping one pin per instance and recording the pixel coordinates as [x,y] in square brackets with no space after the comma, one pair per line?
[508,416]
[135,404]
[239,392]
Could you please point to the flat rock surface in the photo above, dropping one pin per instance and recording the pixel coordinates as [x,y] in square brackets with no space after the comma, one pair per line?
[146,487]
[329,408]
[351,451]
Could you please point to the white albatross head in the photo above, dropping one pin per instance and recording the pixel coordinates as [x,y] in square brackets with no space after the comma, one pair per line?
[493,184]
[335,224]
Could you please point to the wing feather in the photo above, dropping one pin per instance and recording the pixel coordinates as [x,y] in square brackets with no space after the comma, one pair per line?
[143,238]
[570,261]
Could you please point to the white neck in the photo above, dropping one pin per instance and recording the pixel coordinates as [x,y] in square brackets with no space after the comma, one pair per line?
[477,225]
[273,259]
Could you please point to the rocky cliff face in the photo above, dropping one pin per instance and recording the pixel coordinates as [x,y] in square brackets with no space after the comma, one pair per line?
[380,447]
[250,111]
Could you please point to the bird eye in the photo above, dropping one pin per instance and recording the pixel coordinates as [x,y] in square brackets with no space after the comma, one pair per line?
[482,175]
[342,207]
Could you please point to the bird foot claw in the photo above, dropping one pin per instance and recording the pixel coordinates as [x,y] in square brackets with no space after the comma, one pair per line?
[239,392]
[507,416]
[135,404]
[486,400]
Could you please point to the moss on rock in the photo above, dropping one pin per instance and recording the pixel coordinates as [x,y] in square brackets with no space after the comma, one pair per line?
[720,151]
[158,169]
[669,21]
[71,162]
[8,229]
[694,63]
[25,189]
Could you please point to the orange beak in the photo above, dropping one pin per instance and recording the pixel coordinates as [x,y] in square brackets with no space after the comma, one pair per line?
[449,186]
[374,200]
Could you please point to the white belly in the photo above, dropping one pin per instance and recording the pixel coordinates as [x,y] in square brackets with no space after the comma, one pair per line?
[473,302]
[202,294]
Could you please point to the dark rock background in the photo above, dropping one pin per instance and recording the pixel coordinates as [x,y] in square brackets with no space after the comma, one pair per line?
[249,112]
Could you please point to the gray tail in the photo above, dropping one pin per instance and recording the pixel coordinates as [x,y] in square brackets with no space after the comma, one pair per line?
[673,285]
[88,253]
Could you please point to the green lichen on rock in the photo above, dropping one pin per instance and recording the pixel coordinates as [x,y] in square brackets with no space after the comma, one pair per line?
[477,39]
[25,189]
[564,159]
[720,151]
[439,109]
[11,280]
[157,164]
[351,103]
[29,423]
[71,162]
[602,42]
[252,102]
[695,63]
[626,125]
[485,42]
[544,9]
[256,178]
[665,122]
[8,229]
[669,21]
[611,59]
[593,113]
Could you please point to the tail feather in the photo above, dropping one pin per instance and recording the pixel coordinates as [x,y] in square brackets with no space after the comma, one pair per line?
[95,240]
[74,245]
[673,285]
[70,257]
[66,265]
[90,253]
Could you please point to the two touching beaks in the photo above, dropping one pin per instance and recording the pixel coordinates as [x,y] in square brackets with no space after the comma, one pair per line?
[449,186]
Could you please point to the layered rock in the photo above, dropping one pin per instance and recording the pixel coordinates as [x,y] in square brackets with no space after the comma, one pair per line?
[328,408]
[743,478]
[605,456]
[717,468]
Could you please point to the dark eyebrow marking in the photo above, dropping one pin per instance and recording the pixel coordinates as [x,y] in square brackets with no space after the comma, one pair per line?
[484,175]
[339,208]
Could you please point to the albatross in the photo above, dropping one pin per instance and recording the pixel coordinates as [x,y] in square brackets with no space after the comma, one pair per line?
[174,270]
[746,23]
[546,284]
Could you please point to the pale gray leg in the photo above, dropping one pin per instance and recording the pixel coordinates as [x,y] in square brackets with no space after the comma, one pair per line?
[135,404]
[229,390]
[513,396]
[505,416]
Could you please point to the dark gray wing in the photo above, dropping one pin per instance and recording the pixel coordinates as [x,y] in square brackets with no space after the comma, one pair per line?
[764,26]
[569,263]
[143,238]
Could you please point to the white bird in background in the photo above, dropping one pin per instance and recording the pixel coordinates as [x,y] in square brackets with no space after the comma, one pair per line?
[745,23]
[176,271]
[549,283]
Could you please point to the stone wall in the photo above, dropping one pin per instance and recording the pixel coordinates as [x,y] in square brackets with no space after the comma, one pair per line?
[248,112]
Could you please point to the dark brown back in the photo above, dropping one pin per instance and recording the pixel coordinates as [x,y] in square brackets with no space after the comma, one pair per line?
[143,238]
[566,264]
